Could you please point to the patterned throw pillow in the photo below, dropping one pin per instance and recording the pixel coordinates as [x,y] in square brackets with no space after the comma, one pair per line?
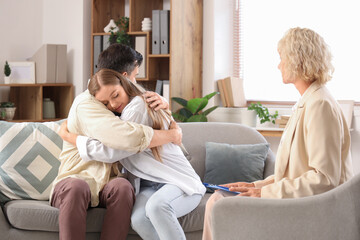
[29,159]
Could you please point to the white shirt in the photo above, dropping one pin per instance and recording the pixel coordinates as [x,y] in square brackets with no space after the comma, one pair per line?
[175,168]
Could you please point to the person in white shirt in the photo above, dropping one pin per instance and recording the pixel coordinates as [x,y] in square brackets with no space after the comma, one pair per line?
[166,185]
[80,184]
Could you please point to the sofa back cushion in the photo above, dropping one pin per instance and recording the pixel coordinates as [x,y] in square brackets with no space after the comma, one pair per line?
[195,135]
[29,159]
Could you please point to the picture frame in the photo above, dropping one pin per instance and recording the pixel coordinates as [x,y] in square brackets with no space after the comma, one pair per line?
[22,72]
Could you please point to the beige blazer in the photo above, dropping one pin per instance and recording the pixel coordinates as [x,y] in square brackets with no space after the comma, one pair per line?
[313,155]
[89,117]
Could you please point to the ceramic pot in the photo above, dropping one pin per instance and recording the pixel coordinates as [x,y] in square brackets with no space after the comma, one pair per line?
[9,113]
[7,80]
[249,118]
[48,108]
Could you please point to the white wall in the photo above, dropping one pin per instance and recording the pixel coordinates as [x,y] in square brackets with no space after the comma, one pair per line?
[217,45]
[21,33]
[27,24]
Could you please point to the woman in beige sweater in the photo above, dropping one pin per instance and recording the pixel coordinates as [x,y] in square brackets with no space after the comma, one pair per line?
[313,155]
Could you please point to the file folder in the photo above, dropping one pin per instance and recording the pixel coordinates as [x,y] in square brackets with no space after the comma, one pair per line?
[164,31]
[106,42]
[159,86]
[156,32]
[97,50]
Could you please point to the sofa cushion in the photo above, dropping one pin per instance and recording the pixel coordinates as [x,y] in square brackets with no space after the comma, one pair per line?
[226,163]
[40,216]
[29,159]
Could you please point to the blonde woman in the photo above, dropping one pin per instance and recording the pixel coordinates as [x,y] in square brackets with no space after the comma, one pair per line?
[313,155]
[166,185]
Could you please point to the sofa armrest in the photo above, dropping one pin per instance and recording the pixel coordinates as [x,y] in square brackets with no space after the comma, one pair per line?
[332,215]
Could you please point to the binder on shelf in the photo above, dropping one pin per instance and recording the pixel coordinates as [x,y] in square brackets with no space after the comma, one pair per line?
[164,31]
[155,32]
[50,61]
[106,42]
[97,50]
[158,87]
[166,90]
[140,46]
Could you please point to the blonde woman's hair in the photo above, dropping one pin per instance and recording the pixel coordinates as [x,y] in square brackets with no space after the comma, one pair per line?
[306,55]
[110,77]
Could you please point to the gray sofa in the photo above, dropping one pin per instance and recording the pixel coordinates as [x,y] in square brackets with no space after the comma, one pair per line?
[32,219]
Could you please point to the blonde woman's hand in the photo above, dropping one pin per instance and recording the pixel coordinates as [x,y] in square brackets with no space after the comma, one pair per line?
[247,192]
[155,101]
[238,185]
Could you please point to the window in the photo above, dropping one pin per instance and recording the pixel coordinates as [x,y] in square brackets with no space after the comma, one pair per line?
[264,24]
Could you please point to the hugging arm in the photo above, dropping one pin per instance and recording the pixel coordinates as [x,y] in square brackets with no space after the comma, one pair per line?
[93,149]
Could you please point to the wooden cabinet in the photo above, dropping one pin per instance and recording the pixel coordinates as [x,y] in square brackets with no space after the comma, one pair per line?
[28,99]
[183,66]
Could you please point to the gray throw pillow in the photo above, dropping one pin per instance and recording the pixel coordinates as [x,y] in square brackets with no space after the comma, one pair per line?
[226,163]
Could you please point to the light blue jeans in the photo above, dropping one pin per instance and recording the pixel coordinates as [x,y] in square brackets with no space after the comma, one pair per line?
[157,208]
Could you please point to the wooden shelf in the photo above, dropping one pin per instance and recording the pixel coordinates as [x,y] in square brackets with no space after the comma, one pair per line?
[159,55]
[28,99]
[183,65]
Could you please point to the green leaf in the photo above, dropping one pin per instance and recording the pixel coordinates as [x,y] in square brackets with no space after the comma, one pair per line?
[205,113]
[185,112]
[197,118]
[195,105]
[211,95]
[179,117]
[180,101]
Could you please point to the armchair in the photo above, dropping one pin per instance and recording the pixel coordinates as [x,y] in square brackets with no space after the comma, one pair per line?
[331,215]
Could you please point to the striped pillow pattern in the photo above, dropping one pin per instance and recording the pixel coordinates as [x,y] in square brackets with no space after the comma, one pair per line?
[29,159]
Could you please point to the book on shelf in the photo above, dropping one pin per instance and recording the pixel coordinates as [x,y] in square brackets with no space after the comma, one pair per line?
[140,46]
[235,90]
[232,92]
[222,93]
[282,121]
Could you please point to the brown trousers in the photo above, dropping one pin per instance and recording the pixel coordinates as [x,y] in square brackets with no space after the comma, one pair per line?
[72,197]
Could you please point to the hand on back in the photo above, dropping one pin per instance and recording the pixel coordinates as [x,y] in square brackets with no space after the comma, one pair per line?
[155,101]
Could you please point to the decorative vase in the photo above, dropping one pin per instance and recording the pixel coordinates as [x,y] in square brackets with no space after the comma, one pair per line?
[146,25]
[111,27]
[48,108]
[7,79]
[9,113]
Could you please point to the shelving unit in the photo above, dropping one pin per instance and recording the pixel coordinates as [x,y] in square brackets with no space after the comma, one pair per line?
[28,99]
[183,66]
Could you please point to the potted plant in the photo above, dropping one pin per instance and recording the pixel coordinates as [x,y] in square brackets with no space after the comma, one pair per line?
[7,110]
[192,109]
[120,35]
[7,72]
[263,113]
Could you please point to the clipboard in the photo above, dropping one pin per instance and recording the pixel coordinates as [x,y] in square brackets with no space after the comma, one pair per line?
[217,187]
